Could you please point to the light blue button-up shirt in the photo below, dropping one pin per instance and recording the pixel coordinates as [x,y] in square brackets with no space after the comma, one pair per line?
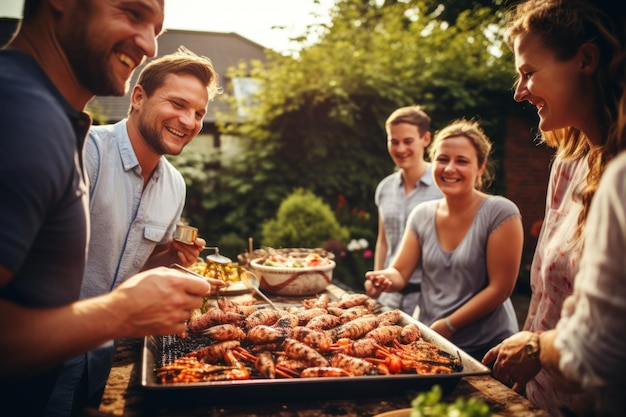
[127,221]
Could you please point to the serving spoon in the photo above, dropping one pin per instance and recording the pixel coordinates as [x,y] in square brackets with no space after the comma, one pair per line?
[252,283]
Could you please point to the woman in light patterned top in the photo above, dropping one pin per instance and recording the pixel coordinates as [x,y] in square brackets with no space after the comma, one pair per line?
[569,56]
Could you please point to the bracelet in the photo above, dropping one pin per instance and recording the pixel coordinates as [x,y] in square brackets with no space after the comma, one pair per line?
[449,325]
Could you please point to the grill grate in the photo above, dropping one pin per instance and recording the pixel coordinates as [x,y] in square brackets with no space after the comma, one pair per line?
[171,347]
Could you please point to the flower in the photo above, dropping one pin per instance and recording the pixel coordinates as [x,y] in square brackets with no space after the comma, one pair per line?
[356,245]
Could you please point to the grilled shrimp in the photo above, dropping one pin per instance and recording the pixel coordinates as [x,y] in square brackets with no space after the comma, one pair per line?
[352,300]
[266,347]
[360,348]
[304,316]
[317,340]
[288,320]
[213,317]
[384,334]
[323,322]
[265,365]
[263,316]
[298,350]
[389,317]
[239,370]
[247,310]
[335,311]
[410,333]
[227,305]
[356,366]
[324,371]
[356,328]
[289,368]
[321,301]
[223,332]
[215,352]
[266,334]
[352,313]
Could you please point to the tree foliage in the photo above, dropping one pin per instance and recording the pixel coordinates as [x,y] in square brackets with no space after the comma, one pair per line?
[319,119]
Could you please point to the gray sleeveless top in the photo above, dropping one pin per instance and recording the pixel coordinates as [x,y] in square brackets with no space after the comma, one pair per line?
[450,279]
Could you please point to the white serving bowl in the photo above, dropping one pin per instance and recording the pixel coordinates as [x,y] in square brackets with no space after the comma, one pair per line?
[293,281]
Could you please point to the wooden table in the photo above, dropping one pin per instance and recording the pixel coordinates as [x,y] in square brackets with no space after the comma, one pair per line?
[124,396]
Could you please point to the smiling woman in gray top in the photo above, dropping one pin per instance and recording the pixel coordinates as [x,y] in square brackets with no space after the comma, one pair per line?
[469,245]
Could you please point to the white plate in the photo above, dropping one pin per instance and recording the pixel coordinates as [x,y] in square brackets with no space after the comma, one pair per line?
[234,288]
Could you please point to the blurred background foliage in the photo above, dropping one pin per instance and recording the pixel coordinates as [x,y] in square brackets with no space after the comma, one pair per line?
[318,122]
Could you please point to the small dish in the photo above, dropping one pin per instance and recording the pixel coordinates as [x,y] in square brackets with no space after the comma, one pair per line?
[293,281]
[234,288]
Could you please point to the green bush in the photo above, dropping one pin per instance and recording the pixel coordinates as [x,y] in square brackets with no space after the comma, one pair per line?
[302,220]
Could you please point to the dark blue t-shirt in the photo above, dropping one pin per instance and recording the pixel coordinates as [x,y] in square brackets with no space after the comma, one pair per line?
[43,202]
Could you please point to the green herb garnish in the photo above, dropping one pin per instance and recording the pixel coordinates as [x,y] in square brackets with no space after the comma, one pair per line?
[428,404]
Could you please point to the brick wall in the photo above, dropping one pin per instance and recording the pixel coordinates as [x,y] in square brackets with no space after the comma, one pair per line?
[527,168]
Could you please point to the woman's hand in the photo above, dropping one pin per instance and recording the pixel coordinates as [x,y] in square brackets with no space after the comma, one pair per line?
[512,365]
[376,282]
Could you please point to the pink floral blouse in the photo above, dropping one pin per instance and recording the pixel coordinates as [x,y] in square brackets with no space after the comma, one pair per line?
[555,264]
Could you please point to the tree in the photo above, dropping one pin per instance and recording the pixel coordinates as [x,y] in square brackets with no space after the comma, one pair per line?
[319,122]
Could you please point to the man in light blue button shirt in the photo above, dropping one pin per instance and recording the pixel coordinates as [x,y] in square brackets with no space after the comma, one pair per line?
[136,198]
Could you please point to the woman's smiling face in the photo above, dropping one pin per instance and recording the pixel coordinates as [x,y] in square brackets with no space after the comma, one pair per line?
[455,166]
[557,88]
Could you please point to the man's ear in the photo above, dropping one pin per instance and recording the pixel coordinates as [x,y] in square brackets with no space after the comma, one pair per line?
[427,139]
[589,57]
[137,97]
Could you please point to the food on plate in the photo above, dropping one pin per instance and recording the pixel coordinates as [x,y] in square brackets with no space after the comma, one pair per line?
[227,272]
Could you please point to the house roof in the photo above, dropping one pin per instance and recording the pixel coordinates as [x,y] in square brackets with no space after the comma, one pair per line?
[224,49]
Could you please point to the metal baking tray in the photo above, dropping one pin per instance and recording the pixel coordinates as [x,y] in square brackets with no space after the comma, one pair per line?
[155,352]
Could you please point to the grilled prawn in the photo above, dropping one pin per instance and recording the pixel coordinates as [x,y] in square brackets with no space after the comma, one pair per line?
[324,371]
[298,350]
[263,316]
[215,352]
[213,317]
[356,328]
[323,322]
[384,334]
[356,366]
[262,334]
[222,332]
[319,341]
